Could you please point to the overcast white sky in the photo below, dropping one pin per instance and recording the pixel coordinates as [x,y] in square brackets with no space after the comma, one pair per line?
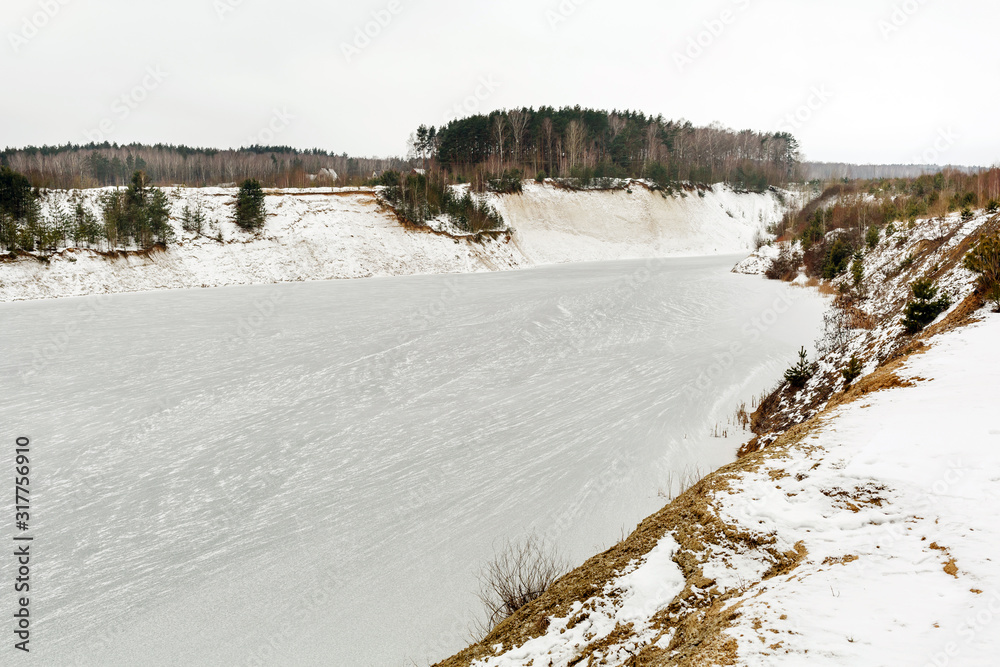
[888,80]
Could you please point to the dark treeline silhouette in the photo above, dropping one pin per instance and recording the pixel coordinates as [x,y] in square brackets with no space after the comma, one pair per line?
[98,165]
[584,144]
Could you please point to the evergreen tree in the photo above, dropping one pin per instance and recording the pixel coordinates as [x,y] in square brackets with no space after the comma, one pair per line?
[249,211]
[19,215]
[138,215]
[925,306]
[853,370]
[984,259]
[86,228]
[837,258]
[113,210]
[872,237]
[799,374]
[858,269]
[193,220]
[158,217]
[15,193]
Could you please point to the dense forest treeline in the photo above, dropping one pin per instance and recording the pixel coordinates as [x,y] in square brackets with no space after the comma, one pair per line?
[99,165]
[569,143]
[580,148]
[587,144]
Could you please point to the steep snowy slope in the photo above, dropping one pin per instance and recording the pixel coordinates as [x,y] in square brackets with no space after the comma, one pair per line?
[317,234]
[868,539]
[862,533]
[554,225]
[324,234]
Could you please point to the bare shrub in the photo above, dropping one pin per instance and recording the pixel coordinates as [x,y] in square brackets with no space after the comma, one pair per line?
[786,265]
[760,239]
[836,331]
[680,481]
[519,573]
[741,417]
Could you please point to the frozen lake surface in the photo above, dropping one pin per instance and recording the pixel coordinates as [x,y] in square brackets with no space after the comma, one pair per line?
[313,473]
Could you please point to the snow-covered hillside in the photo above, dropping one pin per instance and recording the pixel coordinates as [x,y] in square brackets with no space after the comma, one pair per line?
[869,539]
[867,322]
[554,225]
[319,234]
[323,234]
[861,531]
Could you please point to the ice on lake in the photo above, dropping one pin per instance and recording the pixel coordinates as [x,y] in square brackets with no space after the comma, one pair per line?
[313,473]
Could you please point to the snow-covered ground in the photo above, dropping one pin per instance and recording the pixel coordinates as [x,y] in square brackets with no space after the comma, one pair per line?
[320,234]
[871,326]
[554,225]
[313,473]
[894,500]
[759,261]
[887,515]
[863,535]
[328,233]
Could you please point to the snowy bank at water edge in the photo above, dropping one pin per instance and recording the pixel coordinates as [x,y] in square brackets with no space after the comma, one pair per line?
[759,261]
[330,233]
[859,529]
[868,538]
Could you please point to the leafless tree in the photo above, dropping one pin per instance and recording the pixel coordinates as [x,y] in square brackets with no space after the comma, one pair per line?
[653,143]
[499,132]
[575,137]
[616,124]
[518,120]
[548,148]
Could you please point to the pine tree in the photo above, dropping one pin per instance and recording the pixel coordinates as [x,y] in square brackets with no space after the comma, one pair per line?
[872,237]
[984,259]
[193,220]
[19,210]
[113,210]
[249,211]
[925,306]
[136,220]
[853,370]
[799,374]
[158,217]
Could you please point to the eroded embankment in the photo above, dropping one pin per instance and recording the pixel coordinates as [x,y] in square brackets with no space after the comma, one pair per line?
[554,225]
[308,236]
[325,234]
[853,531]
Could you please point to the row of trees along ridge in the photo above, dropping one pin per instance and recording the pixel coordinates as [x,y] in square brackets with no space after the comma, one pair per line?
[586,144]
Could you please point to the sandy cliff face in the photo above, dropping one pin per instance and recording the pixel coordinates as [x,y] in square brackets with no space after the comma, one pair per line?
[326,234]
[553,225]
